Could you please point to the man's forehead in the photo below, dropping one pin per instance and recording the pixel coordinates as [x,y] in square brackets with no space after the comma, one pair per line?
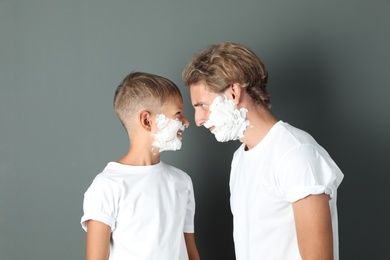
[201,88]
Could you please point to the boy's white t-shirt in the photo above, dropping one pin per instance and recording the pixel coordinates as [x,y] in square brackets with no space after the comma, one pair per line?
[286,166]
[149,208]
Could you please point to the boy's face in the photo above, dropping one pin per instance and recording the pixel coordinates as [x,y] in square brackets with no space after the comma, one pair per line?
[169,126]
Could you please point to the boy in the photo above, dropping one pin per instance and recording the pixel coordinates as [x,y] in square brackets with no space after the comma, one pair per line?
[283,184]
[139,207]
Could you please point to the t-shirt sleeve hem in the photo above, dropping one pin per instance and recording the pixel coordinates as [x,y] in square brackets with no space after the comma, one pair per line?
[297,193]
[98,217]
[189,229]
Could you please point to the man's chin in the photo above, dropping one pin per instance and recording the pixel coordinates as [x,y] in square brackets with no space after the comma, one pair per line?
[221,139]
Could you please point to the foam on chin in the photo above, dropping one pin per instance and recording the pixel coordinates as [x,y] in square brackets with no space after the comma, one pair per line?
[166,139]
[230,123]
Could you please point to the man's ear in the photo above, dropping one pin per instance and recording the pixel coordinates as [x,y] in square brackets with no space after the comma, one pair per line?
[234,93]
[145,121]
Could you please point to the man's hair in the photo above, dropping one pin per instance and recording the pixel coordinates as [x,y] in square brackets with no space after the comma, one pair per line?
[142,91]
[223,64]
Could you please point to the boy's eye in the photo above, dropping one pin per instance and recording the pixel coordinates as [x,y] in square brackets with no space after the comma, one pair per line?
[178,114]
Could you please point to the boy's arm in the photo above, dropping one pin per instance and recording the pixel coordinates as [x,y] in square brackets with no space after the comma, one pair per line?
[191,246]
[314,227]
[98,240]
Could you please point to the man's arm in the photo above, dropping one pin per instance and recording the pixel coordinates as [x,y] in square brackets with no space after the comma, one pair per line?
[98,240]
[314,227]
[191,246]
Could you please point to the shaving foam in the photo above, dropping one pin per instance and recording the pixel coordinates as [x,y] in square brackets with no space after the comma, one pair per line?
[166,139]
[229,122]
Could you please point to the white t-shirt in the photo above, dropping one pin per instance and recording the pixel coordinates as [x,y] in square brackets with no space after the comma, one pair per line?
[149,208]
[287,165]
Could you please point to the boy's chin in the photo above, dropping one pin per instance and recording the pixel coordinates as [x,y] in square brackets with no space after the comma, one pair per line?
[174,146]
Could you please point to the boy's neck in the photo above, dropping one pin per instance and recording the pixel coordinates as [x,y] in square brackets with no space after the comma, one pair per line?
[140,159]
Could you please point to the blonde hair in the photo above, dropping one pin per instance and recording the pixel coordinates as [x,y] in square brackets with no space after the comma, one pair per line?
[139,91]
[223,64]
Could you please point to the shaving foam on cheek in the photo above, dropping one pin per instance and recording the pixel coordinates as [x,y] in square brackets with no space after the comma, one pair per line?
[166,139]
[230,123]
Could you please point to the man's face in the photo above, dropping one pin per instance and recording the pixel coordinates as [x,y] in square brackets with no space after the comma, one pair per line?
[201,100]
[218,113]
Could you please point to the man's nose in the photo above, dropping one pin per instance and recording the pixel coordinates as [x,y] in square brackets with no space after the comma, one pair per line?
[200,118]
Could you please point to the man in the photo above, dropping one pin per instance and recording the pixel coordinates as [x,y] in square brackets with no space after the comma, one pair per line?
[283,184]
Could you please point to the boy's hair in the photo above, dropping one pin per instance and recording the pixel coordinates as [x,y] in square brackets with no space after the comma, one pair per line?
[142,91]
[223,64]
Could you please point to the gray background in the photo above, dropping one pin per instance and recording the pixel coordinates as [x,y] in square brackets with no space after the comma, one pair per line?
[60,62]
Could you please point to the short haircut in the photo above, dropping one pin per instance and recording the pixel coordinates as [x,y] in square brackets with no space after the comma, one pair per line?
[142,91]
[223,64]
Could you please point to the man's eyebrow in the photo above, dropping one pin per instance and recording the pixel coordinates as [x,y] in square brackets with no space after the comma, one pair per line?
[198,104]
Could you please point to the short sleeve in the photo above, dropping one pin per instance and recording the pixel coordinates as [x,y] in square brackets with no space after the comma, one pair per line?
[190,212]
[307,170]
[100,203]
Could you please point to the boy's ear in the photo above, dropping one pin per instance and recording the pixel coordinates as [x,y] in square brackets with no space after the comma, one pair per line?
[145,120]
[234,93]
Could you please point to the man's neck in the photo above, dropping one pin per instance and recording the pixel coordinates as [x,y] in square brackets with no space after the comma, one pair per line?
[260,123]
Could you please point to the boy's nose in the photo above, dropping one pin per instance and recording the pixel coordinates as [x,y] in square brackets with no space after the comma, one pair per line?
[185,122]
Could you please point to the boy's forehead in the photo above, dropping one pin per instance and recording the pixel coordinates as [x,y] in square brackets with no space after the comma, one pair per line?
[173,101]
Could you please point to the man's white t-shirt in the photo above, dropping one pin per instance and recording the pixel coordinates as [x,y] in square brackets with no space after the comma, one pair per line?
[286,166]
[149,208]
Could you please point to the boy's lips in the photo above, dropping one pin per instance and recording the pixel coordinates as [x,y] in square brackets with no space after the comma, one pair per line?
[180,134]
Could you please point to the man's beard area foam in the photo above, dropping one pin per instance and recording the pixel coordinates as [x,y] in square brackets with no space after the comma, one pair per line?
[230,123]
[166,139]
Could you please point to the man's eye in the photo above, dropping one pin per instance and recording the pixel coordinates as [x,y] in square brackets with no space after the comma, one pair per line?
[201,106]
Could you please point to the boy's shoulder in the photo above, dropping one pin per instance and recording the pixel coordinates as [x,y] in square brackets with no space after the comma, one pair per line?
[114,171]
[115,174]
[171,167]
[107,177]
[175,171]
